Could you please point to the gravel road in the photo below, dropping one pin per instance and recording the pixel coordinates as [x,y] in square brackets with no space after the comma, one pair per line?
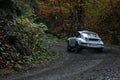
[86,65]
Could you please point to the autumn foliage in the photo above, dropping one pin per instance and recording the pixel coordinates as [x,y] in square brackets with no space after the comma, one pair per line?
[61,16]
[64,17]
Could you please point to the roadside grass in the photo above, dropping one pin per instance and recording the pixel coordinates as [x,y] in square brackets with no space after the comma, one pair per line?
[45,57]
[5,71]
[111,45]
[54,39]
[108,43]
[41,60]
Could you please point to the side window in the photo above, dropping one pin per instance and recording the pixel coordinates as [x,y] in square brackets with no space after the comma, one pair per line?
[78,34]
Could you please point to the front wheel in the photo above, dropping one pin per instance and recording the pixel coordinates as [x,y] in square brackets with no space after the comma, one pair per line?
[68,47]
[77,48]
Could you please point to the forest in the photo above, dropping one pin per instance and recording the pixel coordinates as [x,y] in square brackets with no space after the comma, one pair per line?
[25,25]
[64,17]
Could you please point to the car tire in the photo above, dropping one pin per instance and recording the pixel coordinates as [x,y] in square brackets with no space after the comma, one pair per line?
[68,47]
[77,48]
[100,50]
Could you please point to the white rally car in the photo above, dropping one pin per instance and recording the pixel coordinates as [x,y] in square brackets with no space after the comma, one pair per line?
[85,39]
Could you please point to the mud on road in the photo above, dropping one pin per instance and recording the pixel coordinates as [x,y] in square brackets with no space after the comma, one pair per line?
[86,65]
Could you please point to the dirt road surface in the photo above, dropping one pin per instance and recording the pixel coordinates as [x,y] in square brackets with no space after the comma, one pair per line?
[86,65]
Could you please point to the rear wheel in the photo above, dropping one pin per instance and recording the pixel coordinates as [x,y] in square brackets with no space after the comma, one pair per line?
[68,47]
[77,47]
[100,50]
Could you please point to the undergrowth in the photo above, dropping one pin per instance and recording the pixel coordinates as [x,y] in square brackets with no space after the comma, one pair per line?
[33,36]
